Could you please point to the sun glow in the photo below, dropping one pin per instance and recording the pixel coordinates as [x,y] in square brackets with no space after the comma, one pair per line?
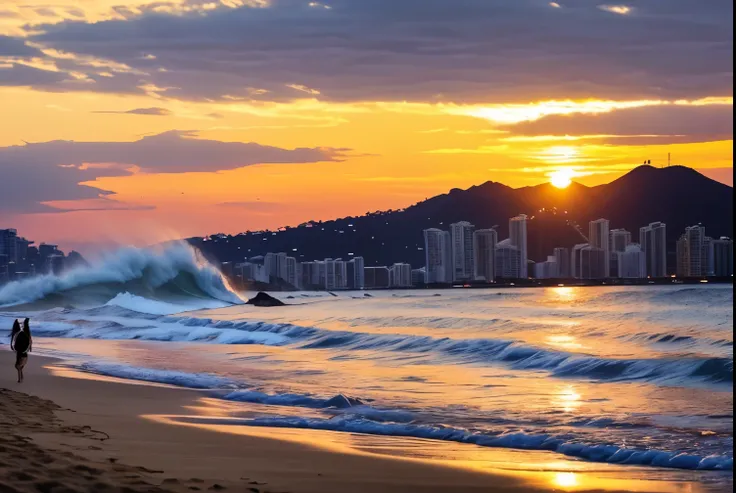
[562,177]
[566,479]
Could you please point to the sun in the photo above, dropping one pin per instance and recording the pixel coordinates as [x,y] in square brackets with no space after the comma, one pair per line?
[562,177]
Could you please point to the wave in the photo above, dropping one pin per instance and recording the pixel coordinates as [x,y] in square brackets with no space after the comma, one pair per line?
[684,370]
[518,440]
[359,415]
[135,278]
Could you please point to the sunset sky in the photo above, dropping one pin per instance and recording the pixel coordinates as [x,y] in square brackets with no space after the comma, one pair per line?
[163,119]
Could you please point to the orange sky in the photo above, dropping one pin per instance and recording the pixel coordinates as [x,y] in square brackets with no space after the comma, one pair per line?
[391,153]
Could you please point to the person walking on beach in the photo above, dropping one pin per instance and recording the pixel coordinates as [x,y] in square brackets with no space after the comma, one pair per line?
[22,343]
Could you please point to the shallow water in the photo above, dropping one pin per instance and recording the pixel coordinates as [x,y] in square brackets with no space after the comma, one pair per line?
[640,376]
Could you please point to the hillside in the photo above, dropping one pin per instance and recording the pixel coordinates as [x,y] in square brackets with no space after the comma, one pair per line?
[677,195]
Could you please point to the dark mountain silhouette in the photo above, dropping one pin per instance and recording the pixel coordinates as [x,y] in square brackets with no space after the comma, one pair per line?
[677,196]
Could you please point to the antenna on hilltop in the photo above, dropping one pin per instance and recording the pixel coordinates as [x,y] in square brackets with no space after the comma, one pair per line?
[669,159]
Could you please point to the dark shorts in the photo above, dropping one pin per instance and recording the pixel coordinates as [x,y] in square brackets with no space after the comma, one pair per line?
[20,360]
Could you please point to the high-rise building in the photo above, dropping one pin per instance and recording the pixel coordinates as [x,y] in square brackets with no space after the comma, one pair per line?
[619,240]
[56,263]
[462,251]
[8,244]
[336,274]
[356,274]
[575,260]
[592,263]
[723,257]
[694,253]
[376,277]
[484,247]
[418,276]
[518,237]
[632,262]
[291,271]
[330,275]
[653,242]
[507,260]
[562,258]
[599,237]
[547,269]
[438,256]
[400,275]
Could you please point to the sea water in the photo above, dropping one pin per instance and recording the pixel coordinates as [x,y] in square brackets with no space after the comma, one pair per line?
[630,375]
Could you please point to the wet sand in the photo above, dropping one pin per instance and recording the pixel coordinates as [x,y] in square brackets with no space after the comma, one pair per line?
[60,434]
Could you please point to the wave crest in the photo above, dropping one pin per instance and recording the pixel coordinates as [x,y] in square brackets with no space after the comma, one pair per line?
[173,272]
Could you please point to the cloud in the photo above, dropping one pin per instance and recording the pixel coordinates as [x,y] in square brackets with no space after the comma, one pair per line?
[141,111]
[414,50]
[154,111]
[616,9]
[16,47]
[22,75]
[637,126]
[51,172]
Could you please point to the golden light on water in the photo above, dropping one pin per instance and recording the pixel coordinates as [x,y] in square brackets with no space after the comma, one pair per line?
[566,479]
[568,399]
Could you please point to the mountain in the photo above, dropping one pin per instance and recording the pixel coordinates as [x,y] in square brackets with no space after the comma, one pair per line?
[677,196]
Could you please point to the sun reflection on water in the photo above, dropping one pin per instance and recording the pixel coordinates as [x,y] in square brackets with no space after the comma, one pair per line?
[569,399]
[565,479]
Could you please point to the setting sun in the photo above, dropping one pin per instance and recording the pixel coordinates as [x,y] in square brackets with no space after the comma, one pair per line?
[562,177]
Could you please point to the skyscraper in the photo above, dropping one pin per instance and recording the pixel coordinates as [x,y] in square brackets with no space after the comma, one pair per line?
[291,273]
[575,260]
[8,244]
[400,275]
[517,235]
[599,237]
[462,251]
[330,274]
[438,255]
[632,263]
[653,242]
[723,257]
[507,260]
[562,257]
[619,240]
[693,253]
[356,273]
[593,264]
[484,246]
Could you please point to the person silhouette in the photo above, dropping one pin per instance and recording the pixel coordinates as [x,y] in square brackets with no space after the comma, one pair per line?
[22,343]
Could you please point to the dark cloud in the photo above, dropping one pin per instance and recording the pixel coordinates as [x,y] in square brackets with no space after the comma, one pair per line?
[52,171]
[437,50]
[16,47]
[641,126]
[23,75]
[141,111]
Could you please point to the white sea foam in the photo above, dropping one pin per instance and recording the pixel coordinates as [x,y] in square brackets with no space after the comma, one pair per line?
[154,307]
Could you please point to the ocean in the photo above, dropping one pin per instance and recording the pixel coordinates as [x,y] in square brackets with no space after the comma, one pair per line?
[637,378]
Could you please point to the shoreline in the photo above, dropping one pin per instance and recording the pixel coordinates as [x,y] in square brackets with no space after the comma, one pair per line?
[148,429]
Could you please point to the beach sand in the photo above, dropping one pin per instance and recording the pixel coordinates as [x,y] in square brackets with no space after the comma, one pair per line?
[60,434]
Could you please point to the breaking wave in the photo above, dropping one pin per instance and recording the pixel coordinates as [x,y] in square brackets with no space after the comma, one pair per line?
[159,280]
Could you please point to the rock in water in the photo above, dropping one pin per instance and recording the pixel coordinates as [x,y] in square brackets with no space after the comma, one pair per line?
[265,299]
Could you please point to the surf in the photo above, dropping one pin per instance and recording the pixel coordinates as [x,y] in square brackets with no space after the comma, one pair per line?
[136,278]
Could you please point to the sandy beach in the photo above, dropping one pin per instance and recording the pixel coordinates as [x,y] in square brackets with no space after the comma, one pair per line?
[60,434]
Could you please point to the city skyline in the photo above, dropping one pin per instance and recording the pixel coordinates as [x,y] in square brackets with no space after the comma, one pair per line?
[459,256]
[156,121]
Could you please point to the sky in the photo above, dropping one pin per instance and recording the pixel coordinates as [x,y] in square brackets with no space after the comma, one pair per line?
[163,119]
